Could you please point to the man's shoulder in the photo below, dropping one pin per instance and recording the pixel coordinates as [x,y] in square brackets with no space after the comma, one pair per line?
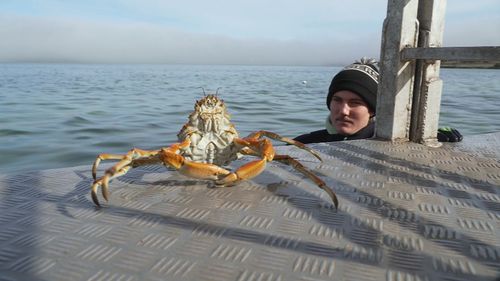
[313,137]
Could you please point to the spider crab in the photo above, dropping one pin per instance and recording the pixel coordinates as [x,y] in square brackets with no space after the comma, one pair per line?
[206,142]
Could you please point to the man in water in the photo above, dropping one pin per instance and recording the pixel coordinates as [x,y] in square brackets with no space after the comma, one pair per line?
[352,100]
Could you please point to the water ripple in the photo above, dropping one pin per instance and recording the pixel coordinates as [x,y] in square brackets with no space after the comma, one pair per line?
[77,121]
[97,131]
[13,132]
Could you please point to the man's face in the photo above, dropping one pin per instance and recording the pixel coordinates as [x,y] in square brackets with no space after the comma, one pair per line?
[349,113]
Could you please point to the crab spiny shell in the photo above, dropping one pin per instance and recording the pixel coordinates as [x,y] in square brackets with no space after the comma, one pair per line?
[211,133]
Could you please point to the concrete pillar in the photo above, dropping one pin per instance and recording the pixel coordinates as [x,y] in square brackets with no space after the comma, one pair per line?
[409,96]
[397,77]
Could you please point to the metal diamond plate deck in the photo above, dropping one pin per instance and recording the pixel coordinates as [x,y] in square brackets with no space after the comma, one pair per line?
[407,212]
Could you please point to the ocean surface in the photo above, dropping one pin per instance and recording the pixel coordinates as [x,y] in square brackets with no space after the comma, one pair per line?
[63,115]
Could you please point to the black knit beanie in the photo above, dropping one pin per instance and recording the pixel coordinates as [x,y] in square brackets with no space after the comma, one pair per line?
[361,78]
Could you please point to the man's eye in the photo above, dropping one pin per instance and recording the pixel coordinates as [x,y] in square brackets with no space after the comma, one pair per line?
[356,103]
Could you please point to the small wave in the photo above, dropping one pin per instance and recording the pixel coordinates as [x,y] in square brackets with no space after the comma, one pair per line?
[10,132]
[72,158]
[154,125]
[98,131]
[82,137]
[44,103]
[11,104]
[64,108]
[121,145]
[76,121]
[97,112]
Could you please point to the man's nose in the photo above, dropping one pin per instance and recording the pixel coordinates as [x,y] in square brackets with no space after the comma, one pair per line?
[345,108]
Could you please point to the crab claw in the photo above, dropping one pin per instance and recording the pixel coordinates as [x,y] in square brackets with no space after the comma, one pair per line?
[105,187]
[104,184]
[332,196]
[94,168]
[93,193]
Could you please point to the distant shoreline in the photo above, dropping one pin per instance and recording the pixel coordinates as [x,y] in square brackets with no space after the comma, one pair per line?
[462,64]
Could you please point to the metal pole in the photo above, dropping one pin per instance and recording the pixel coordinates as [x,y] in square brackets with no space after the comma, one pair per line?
[428,86]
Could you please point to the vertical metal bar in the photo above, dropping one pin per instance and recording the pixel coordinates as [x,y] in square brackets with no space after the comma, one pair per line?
[428,86]
[423,37]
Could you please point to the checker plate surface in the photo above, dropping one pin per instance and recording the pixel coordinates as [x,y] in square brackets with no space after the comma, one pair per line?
[407,212]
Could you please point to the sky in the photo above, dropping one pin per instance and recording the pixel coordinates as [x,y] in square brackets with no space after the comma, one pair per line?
[262,32]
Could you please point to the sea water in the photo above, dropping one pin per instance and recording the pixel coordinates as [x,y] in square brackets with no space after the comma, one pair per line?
[62,115]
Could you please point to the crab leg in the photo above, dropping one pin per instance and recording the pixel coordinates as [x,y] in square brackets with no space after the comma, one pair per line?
[125,159]
[254,168]
[104,156]
[274,136]
[170,157]
[104,183]
[299,167]
[133,158]
[263,148]
[192,169]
